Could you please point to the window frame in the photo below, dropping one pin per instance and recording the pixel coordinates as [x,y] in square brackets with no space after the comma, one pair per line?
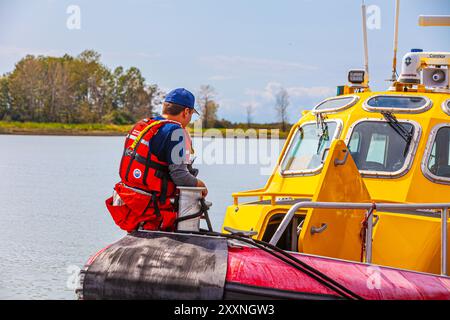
[427,106]
[308,172]
[409,158]
[446,107]
[427,153]
[354,100]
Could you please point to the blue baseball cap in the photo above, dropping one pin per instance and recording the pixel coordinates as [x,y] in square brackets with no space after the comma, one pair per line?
[182,97]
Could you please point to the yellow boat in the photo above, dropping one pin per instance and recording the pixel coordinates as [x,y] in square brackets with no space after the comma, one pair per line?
[364,176]
[356,208]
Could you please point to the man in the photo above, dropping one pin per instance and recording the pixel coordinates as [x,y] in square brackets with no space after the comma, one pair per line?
[156,159]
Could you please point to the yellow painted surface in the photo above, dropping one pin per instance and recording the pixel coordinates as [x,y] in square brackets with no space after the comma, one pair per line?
[339,183]
[247,217]
[409,242]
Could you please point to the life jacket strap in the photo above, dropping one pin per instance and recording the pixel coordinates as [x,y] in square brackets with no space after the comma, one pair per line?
[155,204]
[164,183]
[143,160]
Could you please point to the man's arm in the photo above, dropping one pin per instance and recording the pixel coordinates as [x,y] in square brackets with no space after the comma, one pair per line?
[181,176]
[179,169]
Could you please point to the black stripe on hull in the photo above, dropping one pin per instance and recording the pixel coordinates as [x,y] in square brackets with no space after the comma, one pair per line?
[239,291]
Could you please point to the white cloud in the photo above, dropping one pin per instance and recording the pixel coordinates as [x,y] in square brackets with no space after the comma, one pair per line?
[19,52]
[272,88]
[312,92]
[220,77]
[300,98]
[253,103]
[227,62]
[131,55]
[226,103]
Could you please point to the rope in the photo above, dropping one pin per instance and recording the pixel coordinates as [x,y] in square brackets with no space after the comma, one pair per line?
[364,229]
[293,261]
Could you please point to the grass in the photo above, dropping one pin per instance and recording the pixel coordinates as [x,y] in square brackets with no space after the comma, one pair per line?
[46,128]
[93,129]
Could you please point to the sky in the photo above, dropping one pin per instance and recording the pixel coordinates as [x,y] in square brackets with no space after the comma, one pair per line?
[246,49]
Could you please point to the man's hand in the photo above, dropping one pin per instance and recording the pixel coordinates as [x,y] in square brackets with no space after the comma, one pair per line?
[200,183]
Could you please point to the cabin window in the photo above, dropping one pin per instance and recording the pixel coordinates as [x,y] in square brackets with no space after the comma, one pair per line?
[354,143]
[336,104]
[439,159]
[446,106]
[376,146]
[405,104]
[304,154]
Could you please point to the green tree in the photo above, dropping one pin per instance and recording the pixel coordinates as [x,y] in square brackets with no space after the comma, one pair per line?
[75,90]
[93,81]
[25,88]
[132,96]
[4,97]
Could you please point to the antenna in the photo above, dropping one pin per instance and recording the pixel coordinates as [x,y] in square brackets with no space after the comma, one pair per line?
[366,49]
[394,60]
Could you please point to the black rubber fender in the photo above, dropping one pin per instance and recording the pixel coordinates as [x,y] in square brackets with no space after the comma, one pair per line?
[157,265]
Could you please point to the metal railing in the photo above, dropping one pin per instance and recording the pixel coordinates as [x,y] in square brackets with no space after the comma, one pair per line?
[370,208]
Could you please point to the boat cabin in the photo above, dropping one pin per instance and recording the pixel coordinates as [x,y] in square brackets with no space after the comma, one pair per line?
[389,147]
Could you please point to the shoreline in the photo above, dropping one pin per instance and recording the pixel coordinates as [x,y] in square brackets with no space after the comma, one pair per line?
[99,130]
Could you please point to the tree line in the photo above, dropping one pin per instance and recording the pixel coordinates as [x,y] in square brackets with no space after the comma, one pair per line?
[81,89]
[209,109]
[77,89]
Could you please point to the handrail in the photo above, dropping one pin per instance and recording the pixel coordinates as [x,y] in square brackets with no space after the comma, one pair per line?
[263,193]
[370,207]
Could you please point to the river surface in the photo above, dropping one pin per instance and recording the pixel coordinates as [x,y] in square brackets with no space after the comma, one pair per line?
[52,192]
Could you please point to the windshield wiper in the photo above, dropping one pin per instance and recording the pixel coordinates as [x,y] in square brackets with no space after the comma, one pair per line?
[323,130]
[399,128]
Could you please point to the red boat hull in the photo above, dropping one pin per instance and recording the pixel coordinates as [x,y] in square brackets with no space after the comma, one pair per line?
[255,272]
[160,265]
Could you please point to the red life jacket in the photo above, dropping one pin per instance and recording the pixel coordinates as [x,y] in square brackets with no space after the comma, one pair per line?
[145,189]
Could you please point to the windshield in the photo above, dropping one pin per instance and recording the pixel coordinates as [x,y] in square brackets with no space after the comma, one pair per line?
[307,146]
[439,160]
[335,104]
[377,146]
[397,102]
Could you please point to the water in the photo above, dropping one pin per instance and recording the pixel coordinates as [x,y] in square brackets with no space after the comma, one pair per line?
[52,212]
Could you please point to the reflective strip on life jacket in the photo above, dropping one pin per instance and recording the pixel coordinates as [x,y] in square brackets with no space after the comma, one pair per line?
[139,137]
[144,142]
